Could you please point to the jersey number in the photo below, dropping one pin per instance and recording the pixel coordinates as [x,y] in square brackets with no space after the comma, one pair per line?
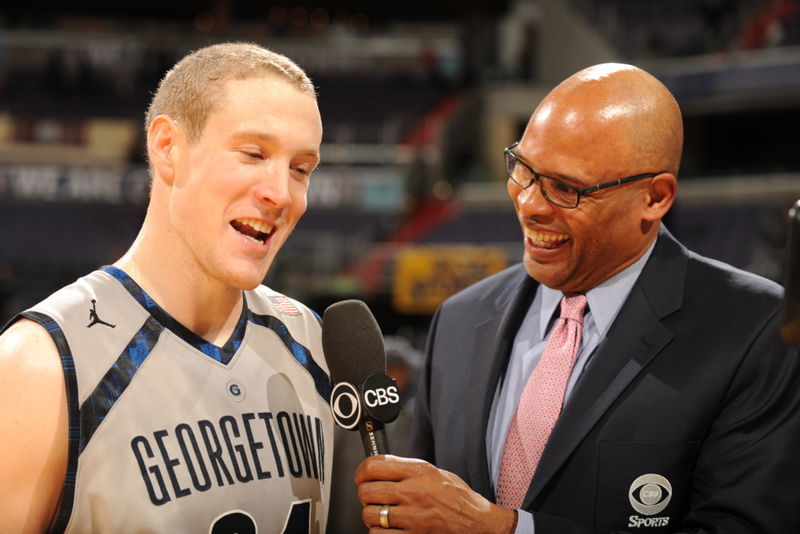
[299,520]
[238,522]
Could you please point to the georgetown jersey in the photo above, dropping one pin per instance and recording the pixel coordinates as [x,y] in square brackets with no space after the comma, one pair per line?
[170,433]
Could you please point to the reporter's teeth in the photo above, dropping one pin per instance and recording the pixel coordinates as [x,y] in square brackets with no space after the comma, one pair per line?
[544,240]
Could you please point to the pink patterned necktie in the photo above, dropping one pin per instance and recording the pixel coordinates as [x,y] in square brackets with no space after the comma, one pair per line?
[540,404]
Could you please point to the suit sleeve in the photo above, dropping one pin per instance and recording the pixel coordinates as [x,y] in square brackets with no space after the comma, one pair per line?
[421,443]
[747,471]
[749,467]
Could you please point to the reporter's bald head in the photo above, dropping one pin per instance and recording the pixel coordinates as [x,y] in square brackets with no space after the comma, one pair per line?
[625,107]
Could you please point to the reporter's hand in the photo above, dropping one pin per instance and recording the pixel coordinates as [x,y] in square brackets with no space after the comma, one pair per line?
[425,499]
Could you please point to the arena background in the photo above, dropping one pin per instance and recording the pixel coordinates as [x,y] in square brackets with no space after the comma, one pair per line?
[418,99]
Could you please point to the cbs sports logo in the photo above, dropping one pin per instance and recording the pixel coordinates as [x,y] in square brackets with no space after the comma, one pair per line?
[649,495]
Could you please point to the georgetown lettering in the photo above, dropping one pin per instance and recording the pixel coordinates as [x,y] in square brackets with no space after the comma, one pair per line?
[228,452]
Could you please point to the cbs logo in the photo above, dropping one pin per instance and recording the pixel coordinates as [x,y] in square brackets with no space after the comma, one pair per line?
[381,396]
[650,494]
[346,405]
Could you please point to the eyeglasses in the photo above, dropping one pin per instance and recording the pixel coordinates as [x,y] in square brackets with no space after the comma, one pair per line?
[555,191]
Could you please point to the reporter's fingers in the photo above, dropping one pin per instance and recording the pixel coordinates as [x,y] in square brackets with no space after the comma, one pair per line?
[378,492]
[387,467]
[365,471]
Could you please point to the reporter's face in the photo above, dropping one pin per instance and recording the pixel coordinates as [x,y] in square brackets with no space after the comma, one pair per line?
[574,250]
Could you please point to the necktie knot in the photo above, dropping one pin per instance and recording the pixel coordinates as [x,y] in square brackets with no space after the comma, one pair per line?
[573,306]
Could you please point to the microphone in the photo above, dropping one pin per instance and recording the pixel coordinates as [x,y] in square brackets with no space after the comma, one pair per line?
[363,395]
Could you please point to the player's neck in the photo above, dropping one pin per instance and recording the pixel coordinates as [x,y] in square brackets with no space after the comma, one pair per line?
[203,305]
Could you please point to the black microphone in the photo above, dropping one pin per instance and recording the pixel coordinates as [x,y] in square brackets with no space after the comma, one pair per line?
[363,395]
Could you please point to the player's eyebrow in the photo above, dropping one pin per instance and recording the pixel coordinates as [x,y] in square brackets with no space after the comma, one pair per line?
[274,140]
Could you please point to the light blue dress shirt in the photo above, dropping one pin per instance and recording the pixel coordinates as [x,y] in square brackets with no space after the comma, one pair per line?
[605,301]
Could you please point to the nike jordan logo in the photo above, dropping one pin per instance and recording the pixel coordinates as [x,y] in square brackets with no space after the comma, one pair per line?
[95,319]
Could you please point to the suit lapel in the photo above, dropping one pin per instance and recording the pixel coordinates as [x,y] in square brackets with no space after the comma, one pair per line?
[634,339]
[491,349]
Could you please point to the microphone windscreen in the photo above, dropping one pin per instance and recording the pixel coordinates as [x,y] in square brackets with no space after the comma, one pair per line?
[352,342]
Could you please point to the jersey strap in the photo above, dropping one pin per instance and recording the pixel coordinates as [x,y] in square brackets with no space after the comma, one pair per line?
[117,378]
[300,353]
[73,412]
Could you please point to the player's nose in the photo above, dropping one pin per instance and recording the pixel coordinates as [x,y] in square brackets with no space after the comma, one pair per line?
[273,187]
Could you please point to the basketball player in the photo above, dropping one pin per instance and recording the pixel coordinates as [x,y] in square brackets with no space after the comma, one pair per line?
[171,392]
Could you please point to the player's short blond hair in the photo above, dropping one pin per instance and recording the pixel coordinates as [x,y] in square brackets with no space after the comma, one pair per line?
[195,86]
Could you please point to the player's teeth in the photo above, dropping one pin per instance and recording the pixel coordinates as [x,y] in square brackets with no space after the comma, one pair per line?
[258,226]
[254,240]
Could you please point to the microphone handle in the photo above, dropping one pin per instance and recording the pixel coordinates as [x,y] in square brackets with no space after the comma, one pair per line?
[373,437]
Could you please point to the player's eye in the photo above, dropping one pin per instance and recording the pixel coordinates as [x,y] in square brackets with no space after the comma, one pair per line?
[303,169]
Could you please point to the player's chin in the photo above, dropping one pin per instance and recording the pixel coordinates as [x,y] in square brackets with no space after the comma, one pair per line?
[247,276]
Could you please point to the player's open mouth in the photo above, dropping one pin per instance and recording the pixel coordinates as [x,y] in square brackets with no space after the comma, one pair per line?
[545,240]
[253,229]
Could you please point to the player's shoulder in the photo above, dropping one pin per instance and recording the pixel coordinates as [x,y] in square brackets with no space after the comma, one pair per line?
[83,294]
[22,339]
[29,362]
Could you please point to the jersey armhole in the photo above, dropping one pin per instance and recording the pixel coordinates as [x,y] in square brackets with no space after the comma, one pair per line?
[73,410]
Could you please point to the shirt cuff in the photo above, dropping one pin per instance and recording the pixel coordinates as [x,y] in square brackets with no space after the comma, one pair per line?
[524,522]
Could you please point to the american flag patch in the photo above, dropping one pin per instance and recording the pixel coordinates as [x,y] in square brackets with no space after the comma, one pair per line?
[284,305]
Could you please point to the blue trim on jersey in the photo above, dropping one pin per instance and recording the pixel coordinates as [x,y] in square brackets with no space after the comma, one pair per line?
[222,354]
[73,412]
[226,353]
[117,379]
[300,353]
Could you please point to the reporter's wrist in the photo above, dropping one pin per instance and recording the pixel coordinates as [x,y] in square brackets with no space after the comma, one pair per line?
[502,521]
[513,528]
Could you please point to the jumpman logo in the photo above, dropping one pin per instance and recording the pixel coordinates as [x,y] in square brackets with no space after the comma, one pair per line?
[95,319]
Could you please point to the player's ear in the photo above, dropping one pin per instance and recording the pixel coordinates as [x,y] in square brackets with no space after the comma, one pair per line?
[660,196]
[162,141]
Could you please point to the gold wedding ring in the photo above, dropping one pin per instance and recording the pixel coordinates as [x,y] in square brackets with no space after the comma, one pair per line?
[385,516]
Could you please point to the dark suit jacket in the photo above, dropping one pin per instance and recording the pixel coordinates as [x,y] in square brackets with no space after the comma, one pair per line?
[692,383]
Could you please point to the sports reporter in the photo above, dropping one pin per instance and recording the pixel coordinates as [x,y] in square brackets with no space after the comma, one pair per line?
[613,381]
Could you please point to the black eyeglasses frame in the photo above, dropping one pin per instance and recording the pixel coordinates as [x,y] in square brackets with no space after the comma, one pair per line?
[535,176]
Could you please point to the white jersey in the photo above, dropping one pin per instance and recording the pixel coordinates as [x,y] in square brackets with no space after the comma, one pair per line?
[169,433]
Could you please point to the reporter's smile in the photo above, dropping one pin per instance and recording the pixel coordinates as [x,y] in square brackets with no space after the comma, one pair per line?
[545,240]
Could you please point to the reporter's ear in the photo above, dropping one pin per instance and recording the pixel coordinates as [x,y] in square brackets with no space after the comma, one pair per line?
[163,137]
[661,193]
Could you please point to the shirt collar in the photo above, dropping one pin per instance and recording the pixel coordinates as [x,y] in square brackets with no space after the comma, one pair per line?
[605,300]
